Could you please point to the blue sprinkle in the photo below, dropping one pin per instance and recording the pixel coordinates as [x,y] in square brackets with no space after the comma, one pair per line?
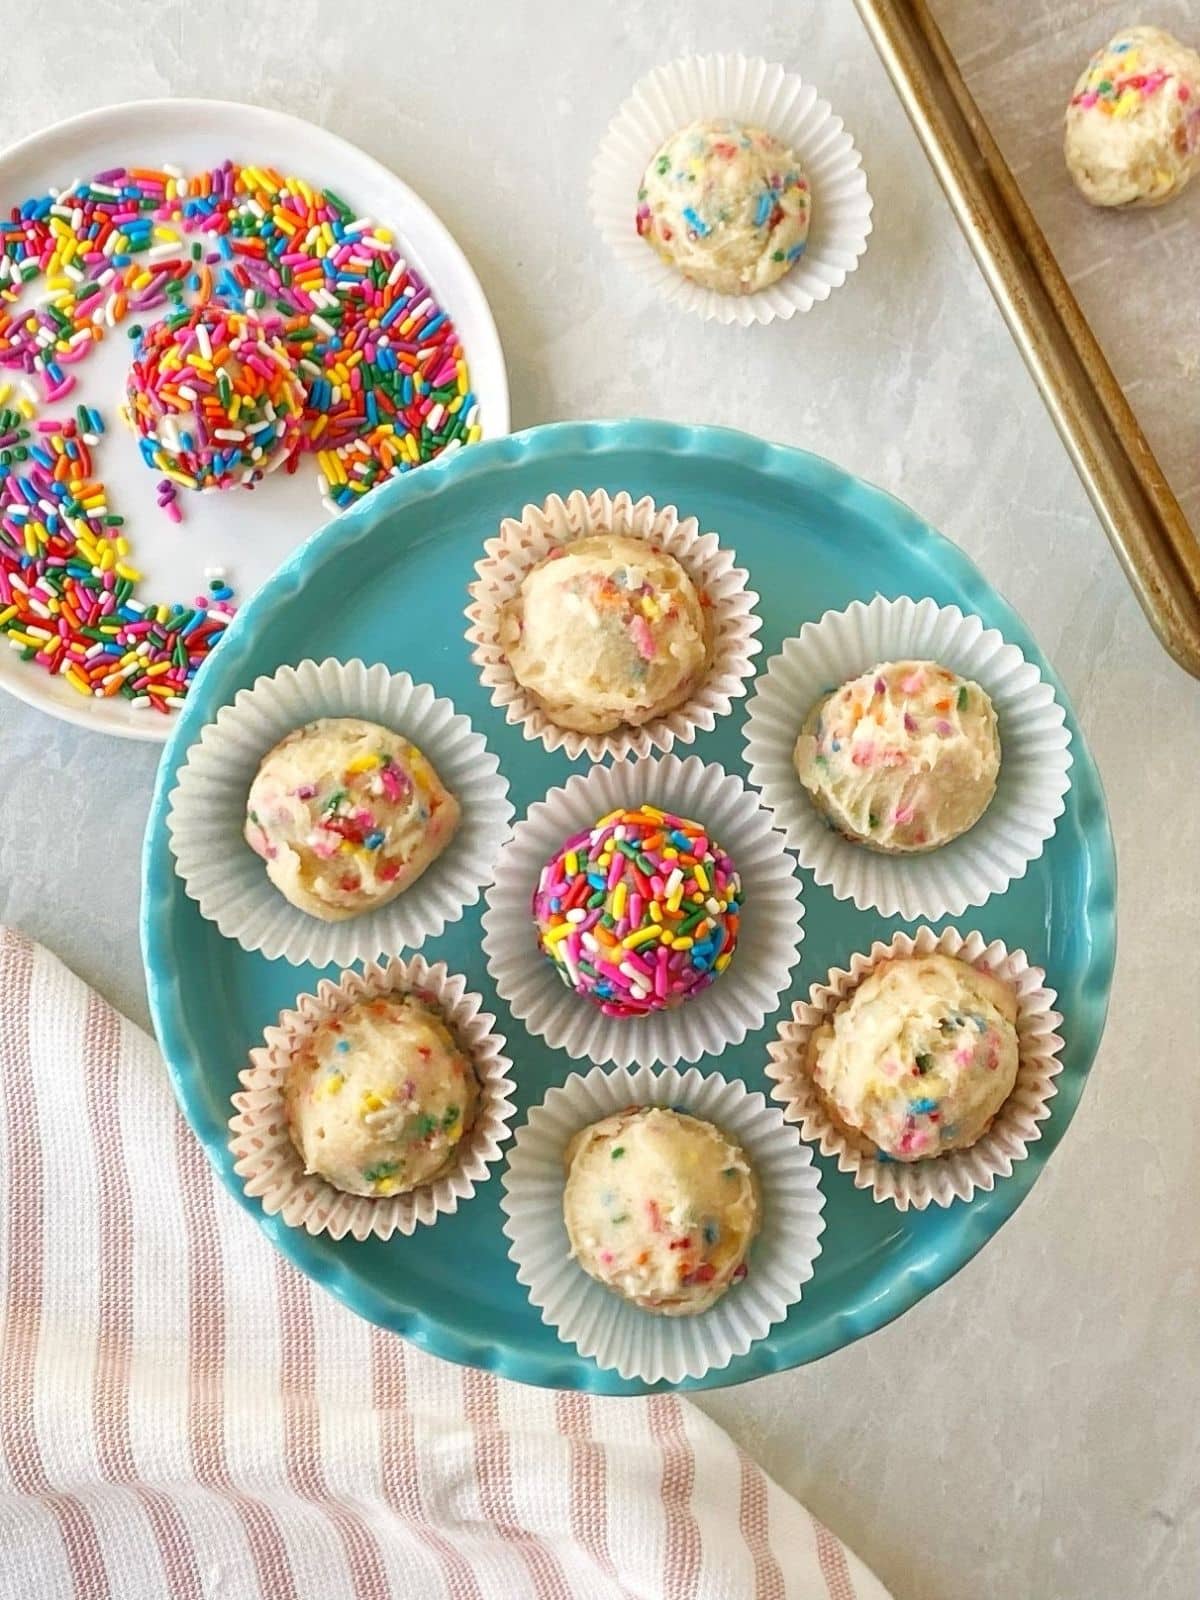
[374,839]
[711,1233]
[766,201]
[695,222]
[343,1046]
[920,1108]
[797,250]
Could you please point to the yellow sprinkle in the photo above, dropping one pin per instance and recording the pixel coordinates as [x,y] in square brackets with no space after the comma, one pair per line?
[364,763]
[610,818]
[9,611]
[641,936]
[555,934]
[620,894]
[653,811]
[668,938]
[77,680]
[370,1102]
[685,943]
[701,878]
[655,911]
[329,1085]
[676,899]
[721,963]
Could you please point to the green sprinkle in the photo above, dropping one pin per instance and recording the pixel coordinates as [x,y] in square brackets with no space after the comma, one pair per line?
[426,1125]
[872,821]
[624,1217]
[963,697]
[924,1063]
[618,1152]
[382,1169]
[450,1117]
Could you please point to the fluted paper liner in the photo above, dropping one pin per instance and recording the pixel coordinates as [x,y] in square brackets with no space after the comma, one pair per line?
[959,1174]
[269,1164]
[1034,756]
[207,812]
[729,606]
[601,1325]
[754,91]
[740,999]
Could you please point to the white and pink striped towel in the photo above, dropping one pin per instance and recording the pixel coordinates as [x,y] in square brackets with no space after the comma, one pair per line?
[182,1414]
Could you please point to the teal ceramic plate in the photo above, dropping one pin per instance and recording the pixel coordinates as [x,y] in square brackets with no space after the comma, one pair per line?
[387,582]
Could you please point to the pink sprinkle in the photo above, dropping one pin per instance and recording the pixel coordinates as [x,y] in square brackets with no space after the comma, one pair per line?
[863,755]
[913,683]
[910,722]
[660,973]
[1185,94]
[903,814]
[642,637]
[964,1055]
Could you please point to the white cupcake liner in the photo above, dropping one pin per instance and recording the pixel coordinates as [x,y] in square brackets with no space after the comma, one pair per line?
[602,1326]
[750,90]
[524,541]
[207,812]
[268,1162]
[770,932]
[959,1174]
[1034,756]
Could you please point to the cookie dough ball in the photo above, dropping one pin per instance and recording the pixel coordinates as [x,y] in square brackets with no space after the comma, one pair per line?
[904,758]
[726,205]
[214,398]
[608,630]
[379,1098]
[1133,124]
[920,1058]
[661,1208]
[640,912]
[346,815]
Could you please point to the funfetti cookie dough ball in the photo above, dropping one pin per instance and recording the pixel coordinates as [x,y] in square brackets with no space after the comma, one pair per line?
[920,1058]
[346,814]
[214,397]
[726,205]
[640,912]
[904,758]
[606,631]
[379,1098]
[1133,124]
[661,1208]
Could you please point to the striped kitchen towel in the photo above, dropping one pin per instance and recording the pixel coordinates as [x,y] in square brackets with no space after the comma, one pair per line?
[183,1414]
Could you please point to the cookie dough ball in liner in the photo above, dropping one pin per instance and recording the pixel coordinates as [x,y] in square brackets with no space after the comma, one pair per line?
[346,815]
[925,1066]
[608,627]
[661,1208]
[607,630]
[904,758]
[380,1097]
[376,1104]
[1132,128]
[726,205]
[920,1058]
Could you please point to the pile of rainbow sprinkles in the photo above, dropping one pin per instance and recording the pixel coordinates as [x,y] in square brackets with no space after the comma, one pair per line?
[376,384]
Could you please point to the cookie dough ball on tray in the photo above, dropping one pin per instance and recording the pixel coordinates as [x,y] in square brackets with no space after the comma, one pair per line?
[920,1057]
[661,1208]
[608,630]
[379,1097]
[1133,125]
[726,205]
[903,758]
[347,814]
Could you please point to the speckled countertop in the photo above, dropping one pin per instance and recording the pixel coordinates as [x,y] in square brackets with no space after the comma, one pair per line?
[1028,1430]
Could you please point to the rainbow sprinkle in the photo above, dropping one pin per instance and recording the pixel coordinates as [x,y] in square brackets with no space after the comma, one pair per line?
[384,380]
[640,912]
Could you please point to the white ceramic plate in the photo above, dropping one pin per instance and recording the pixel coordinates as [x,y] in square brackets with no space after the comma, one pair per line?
[282,511]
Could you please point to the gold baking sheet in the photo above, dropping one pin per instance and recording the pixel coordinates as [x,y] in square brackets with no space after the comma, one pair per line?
[1104,306]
